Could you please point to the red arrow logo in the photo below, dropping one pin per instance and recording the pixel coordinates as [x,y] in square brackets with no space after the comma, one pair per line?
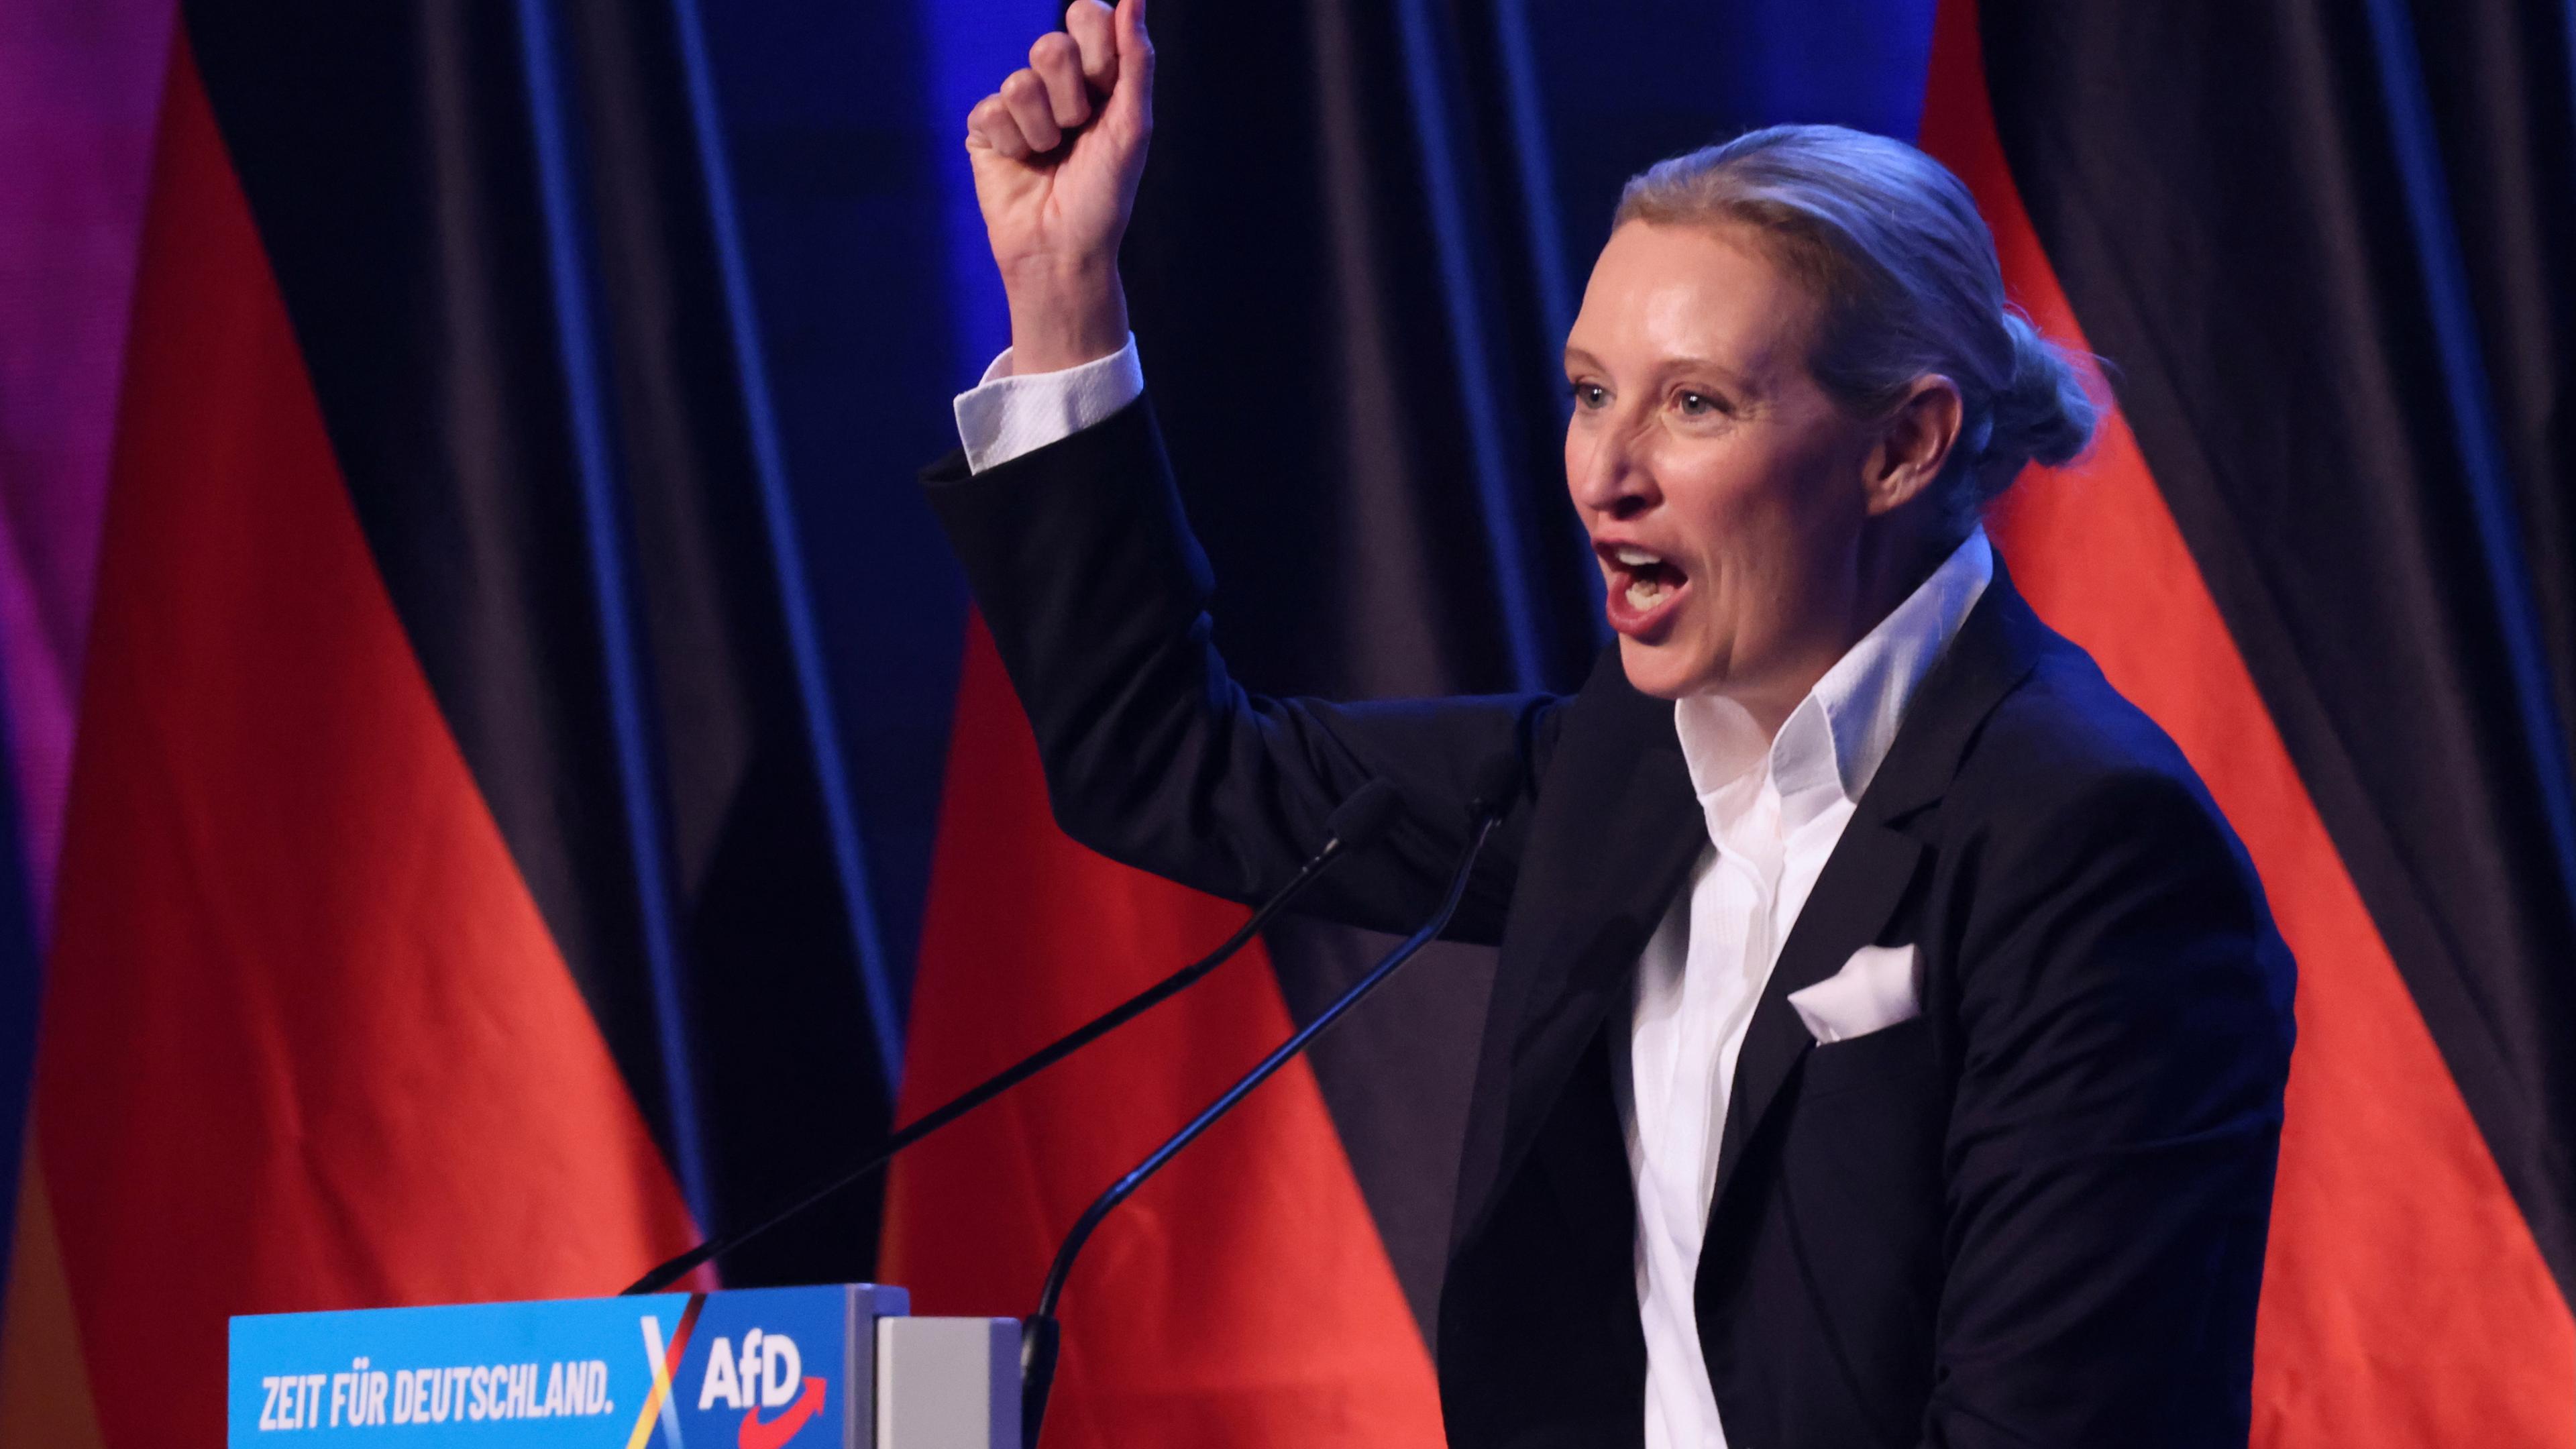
[757,1435]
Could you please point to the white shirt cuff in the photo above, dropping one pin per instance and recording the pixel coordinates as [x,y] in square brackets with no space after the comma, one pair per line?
[1003,416]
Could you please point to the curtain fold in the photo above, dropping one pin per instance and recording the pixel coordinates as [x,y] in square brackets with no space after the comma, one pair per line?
[2308,544]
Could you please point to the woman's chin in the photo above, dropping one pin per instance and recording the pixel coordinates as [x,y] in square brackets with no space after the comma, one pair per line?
[1660,670]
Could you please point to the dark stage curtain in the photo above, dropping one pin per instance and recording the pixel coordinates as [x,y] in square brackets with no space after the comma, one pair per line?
[504,236]
[2326,249]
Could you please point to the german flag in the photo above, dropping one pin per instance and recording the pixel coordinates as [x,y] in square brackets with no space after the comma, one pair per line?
[456,900]
[2331,329]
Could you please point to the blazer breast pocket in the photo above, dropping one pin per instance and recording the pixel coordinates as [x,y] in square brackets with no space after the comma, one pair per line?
[1890,1056]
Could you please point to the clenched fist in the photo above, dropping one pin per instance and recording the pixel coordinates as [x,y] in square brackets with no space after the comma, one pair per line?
[1057,152]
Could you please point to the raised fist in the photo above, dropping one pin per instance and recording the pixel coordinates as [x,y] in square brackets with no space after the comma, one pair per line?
[1057,151]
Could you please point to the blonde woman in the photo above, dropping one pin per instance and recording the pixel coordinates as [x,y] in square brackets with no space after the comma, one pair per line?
[1889,1036]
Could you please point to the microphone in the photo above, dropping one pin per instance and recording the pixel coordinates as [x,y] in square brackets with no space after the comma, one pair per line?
[1354,825]
[1496,783]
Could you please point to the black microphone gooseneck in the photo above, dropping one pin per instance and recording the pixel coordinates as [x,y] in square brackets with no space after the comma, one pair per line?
[1040,1335]
[1354,825]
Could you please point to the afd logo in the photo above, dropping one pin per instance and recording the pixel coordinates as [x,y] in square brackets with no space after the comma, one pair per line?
[767,1373]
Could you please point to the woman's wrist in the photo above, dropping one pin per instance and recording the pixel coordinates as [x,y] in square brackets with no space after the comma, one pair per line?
[1064,317]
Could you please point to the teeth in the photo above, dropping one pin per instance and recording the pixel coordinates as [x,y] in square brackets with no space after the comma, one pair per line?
[1635,557]
[1645,593]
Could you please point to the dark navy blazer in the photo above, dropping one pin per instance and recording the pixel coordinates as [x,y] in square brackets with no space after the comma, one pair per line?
[2033,1215]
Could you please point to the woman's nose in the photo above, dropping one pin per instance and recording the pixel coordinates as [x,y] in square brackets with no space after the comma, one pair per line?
[1608,477]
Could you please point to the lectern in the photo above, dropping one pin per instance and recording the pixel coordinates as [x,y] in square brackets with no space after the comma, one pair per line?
[838,1367]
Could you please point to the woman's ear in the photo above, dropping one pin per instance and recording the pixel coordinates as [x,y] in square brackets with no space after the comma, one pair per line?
[1913,443]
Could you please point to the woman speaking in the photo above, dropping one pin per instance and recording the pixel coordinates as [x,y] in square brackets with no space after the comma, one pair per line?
[1888,1040]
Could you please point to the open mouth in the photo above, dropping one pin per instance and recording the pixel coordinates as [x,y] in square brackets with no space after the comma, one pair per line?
[1643,587]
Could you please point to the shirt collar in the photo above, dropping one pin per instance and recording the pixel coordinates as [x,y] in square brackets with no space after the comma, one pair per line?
[1834,741]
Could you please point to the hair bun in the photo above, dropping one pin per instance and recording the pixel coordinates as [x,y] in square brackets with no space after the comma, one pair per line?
[2043,414]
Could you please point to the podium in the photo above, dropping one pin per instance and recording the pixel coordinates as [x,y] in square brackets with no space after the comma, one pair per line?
[836,1367]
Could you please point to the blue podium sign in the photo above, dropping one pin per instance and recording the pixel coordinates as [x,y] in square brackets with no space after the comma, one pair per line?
[755,1368]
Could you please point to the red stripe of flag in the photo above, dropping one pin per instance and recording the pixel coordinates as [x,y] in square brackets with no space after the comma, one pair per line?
[1243,1297]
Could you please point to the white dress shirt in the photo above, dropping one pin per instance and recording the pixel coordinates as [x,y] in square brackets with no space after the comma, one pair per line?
[1775,810]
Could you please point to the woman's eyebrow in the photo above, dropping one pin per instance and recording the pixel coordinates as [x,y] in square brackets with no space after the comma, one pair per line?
[1733,379]
[1738,381]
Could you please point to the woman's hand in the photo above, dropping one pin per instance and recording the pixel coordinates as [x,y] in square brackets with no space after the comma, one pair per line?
[1057,151]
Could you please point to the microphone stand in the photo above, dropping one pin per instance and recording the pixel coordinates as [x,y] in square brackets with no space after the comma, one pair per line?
[1041,1335]
[1353,825]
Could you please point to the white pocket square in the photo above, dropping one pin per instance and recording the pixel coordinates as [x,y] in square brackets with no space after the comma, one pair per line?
[1876,989]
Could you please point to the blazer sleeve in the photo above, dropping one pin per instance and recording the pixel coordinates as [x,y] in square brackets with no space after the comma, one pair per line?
[1096,594]
[2125,1032]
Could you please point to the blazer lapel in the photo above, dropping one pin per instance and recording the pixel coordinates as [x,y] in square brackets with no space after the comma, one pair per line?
[1617,830]
[1641,840]
[1855,898]
[1642,853]
[1865,880]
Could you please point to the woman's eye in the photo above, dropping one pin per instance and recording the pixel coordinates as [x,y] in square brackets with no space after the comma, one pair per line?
[1590,395]
[1698,404]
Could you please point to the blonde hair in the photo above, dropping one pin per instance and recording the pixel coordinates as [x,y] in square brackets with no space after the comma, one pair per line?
[1889,242]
